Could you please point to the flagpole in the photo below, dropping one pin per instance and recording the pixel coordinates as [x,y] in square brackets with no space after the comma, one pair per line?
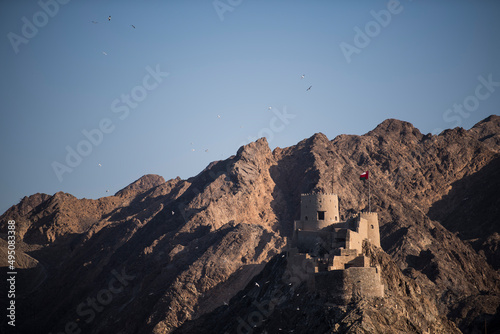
[369,195]
[332,184]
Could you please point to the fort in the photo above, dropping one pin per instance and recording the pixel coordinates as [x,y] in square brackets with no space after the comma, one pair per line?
[327,252]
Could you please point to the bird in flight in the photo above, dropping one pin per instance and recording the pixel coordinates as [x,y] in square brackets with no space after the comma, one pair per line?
[109,18]
[133,26]
[104,53]
[269,108]
[308,88]
[95,22]
[218,116]
[100,165]
[303,75]
[257,285]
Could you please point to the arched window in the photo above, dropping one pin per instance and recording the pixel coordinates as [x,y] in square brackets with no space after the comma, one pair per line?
[372,227]
[305,217]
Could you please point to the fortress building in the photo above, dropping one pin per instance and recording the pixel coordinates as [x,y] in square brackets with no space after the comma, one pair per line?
[327,252]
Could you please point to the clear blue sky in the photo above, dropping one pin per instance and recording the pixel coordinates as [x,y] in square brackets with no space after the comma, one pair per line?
[71,74]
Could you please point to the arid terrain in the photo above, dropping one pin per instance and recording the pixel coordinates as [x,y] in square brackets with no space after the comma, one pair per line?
[184,256]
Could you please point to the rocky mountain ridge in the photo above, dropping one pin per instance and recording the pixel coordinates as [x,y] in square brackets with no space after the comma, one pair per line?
[192,246]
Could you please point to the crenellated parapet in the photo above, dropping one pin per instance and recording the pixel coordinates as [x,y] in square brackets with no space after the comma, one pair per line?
[318,194]
[368,214]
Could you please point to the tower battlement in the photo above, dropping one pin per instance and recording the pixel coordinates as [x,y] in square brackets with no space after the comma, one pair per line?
[317,194]
[368,214]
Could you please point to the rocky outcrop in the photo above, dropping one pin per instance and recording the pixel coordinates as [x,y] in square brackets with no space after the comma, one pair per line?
[275,302]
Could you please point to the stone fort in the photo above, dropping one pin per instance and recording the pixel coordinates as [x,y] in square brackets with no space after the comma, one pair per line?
[327,252]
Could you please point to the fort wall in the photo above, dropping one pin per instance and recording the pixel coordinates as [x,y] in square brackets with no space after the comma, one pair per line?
[327,253]
[350,283]
[354,240]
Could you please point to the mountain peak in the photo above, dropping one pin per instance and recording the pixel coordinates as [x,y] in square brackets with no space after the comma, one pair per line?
[315,139]
[487,131]
[260,145]
[490,120]
[395,129]
[319,137]
[141,185]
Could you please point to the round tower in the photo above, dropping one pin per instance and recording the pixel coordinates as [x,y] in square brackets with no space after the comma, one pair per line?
[318,211]
[372,228]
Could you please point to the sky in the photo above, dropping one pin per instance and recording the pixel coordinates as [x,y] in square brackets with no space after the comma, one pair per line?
[90,104]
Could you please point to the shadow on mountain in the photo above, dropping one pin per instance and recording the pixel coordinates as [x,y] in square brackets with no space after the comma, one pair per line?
[472,208]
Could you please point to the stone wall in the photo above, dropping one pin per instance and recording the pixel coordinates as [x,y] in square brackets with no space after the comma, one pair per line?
[354,282]
[339,262]
[354,241]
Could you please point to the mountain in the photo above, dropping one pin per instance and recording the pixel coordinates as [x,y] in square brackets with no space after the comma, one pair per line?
[183,256]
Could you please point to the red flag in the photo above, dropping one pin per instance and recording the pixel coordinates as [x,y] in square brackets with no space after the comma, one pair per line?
[364,176]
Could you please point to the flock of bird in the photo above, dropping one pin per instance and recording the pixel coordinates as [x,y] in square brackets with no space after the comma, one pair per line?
[218,116]
[268,108]
[109,20]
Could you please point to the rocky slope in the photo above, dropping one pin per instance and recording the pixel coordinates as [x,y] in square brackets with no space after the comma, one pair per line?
[278,302]
[163,256]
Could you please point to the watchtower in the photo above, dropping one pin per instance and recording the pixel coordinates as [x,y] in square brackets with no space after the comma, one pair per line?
[372,228]
[318,211]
